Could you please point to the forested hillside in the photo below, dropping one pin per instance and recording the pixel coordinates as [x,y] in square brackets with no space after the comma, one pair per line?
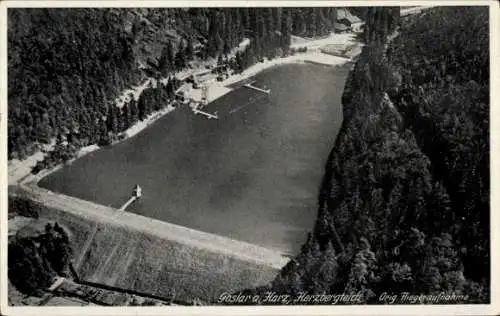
[35,259]
[66,66]
[404,205]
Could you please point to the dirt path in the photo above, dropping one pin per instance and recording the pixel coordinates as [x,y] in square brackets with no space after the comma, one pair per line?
[416,10]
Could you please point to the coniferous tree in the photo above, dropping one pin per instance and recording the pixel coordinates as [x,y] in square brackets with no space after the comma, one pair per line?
[165,63]
[286,28]
[180,57]
[189,49]
[134,115]
[125,121]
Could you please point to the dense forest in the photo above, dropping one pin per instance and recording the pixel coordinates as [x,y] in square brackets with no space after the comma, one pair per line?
[64,79]
[35,260]
[404,205]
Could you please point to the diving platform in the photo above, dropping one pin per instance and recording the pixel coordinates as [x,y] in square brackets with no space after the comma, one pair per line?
[250,86]
[135,195]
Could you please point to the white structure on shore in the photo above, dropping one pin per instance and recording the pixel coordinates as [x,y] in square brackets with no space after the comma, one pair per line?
[204,94]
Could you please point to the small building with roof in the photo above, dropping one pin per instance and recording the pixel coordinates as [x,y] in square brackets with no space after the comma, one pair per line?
[345,17]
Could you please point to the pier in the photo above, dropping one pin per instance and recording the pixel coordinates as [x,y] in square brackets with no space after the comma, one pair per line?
[130,201]
[196,110]
[206,114]
[250,86]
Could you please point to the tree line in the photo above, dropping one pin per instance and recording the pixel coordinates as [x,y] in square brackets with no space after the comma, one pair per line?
[66,66]
[404,204]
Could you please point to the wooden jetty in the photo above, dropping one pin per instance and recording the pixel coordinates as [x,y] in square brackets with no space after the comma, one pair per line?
[198,106]
[250,86]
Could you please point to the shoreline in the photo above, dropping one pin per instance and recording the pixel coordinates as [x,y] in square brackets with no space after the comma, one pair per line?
[22,168]
[129,133]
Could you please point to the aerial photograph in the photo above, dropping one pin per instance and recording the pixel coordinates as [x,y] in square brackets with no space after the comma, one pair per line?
[247,155]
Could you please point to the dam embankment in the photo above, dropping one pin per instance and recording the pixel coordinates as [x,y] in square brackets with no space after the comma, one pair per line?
[135,252]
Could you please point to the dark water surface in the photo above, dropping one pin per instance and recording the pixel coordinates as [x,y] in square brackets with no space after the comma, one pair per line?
[253,175]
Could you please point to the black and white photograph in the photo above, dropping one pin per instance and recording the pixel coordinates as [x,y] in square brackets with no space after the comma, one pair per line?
[247,154]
